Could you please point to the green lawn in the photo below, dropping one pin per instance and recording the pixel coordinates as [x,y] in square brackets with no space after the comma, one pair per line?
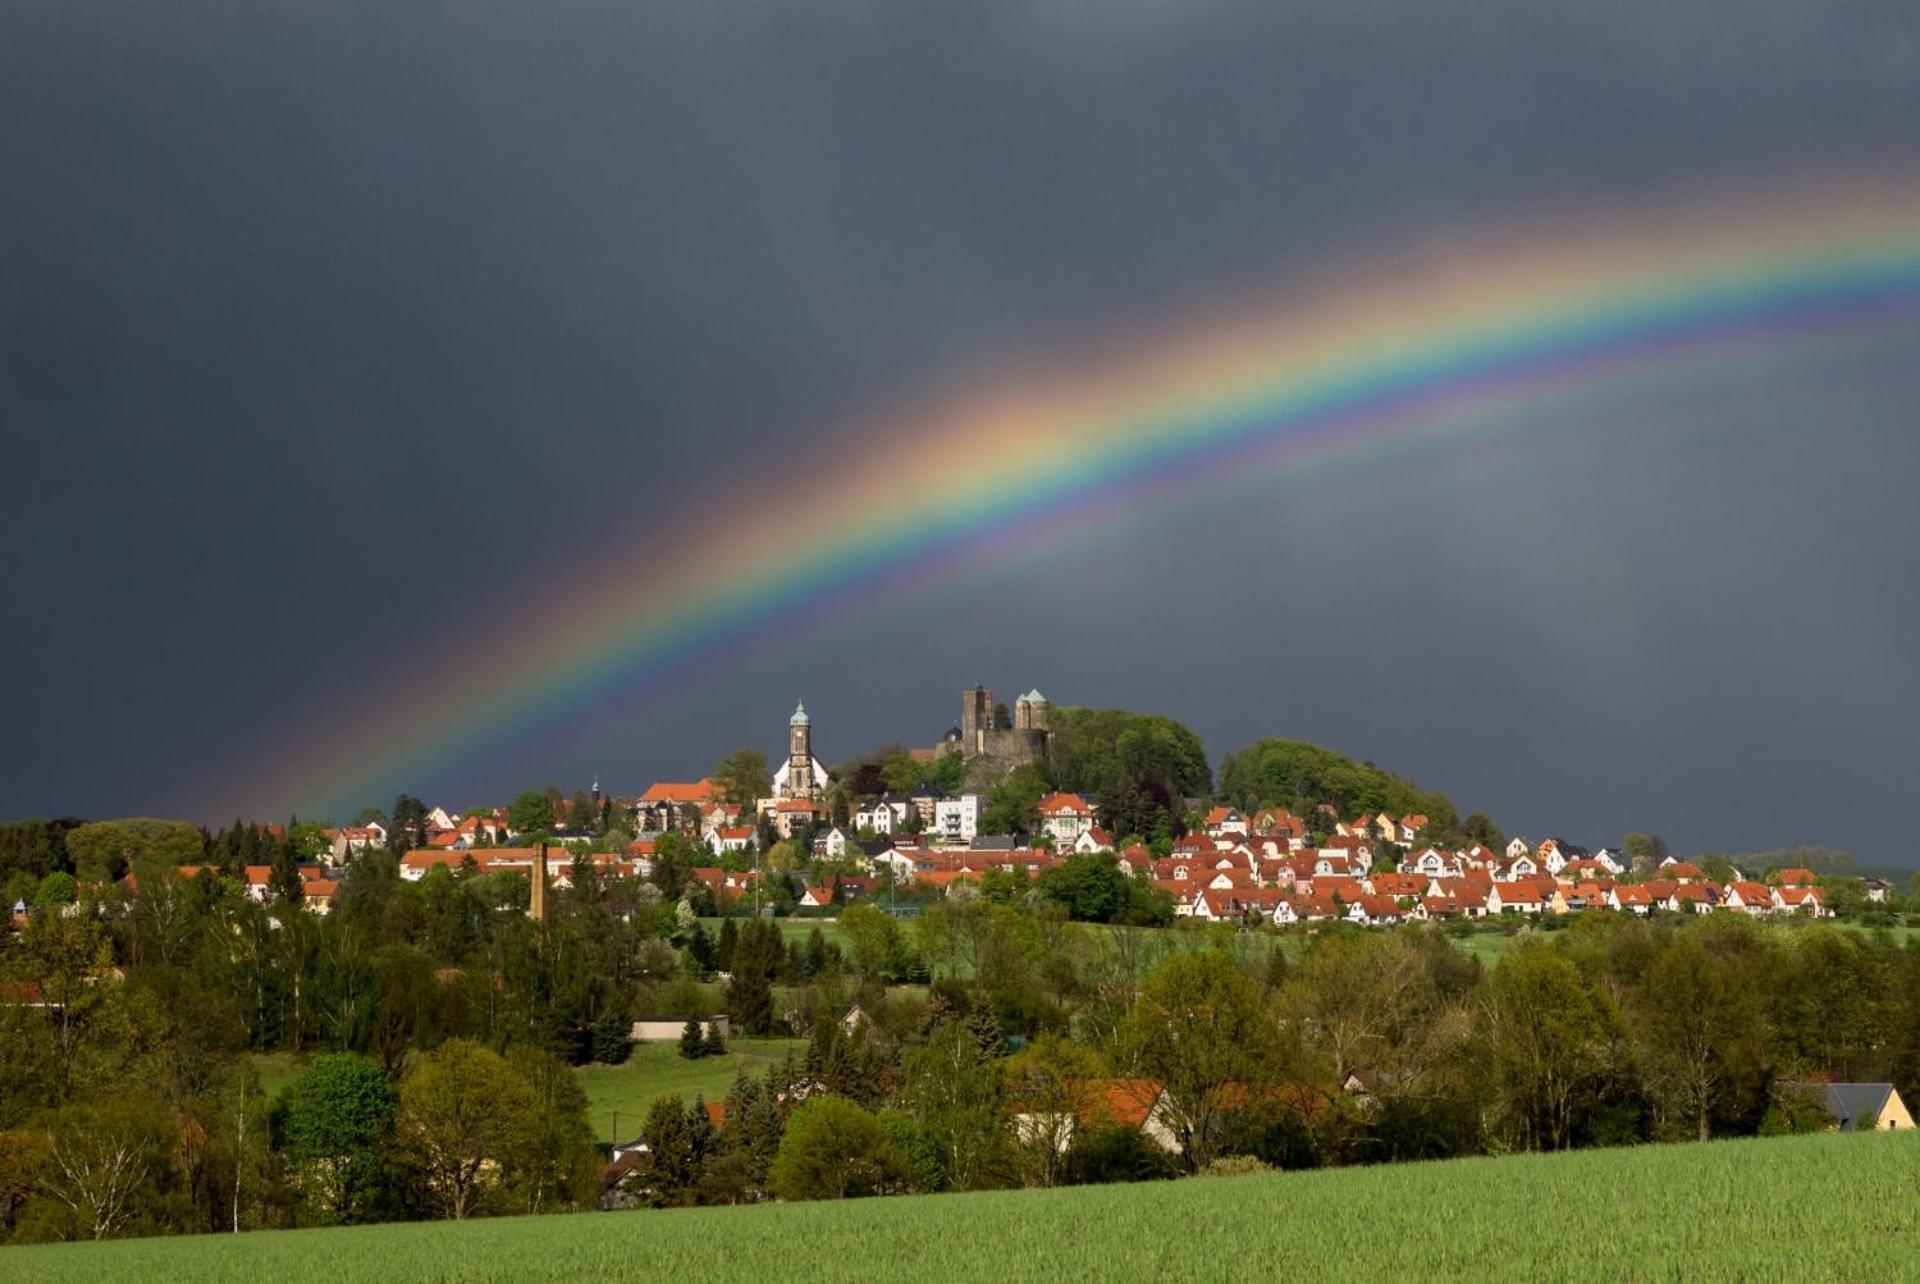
[655,1069]
[794,930]
[1830,1207]
[277,1070]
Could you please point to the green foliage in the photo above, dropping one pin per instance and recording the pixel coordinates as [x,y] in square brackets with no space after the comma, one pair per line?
[1300,776]
[953,1092]
[55,890]
[337,1120]
[879,948]
[1828,861]
[693,1041]
[743,777]
[1551,1038]
[531,813]
[1138,768]
[1010,807]
[34,848]
[757,956]
[1198,1028]
[835,1150]
[1091,889]
[107,849]
[469,1124]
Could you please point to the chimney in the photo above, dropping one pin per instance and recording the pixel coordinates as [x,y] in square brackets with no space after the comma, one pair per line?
[537,878]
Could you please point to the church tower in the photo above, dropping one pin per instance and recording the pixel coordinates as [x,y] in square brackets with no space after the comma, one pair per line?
[800,782]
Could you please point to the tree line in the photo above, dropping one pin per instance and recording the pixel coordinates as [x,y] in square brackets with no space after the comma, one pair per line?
[440,1026]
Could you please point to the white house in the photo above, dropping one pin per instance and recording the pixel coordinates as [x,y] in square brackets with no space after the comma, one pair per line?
[957,820]
[1064,817]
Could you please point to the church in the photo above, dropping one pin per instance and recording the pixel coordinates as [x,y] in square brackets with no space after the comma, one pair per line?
[801,775]
[799,782]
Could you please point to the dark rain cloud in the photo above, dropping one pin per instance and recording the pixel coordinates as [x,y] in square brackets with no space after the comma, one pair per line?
[327,333]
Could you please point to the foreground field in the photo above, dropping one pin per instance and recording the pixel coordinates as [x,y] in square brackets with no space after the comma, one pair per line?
[1803,1208]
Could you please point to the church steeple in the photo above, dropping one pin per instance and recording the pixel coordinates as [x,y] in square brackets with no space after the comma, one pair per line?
[800,782]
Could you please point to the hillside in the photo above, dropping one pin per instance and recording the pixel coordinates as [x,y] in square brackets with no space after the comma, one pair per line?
[1803,1208]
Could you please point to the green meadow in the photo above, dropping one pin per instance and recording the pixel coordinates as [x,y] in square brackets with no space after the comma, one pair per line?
[1827,1207]
[624,1092]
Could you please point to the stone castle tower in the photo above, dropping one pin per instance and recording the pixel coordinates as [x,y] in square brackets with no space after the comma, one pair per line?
[1028,740]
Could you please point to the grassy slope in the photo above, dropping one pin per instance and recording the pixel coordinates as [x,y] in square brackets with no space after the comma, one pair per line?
[656,1069]
[1802,1208]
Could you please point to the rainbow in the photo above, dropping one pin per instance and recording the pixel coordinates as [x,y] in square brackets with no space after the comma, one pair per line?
[1459,343]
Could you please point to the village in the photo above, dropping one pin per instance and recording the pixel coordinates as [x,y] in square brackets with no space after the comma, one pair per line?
[905,848]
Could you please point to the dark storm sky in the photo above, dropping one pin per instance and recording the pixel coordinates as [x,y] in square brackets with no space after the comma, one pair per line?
[328,332]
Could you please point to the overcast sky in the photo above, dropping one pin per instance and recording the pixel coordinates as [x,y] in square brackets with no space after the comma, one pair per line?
[327,331]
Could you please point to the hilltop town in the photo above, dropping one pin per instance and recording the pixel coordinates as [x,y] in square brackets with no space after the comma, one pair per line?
[810,842]
[1053,945]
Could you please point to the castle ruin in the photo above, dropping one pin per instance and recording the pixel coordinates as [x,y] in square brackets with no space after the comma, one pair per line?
[982,739]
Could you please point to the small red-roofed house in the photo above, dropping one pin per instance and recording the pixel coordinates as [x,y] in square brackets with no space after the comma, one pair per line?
[1804,900]
[1632,897]
[1751,898]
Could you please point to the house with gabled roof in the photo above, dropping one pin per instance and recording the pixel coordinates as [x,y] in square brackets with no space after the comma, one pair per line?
[1698,897]
[1803,900]
[1064,817]
[1862,1107]
[1755,899]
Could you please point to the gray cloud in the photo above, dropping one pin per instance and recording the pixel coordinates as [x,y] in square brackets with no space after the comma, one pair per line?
[325,334]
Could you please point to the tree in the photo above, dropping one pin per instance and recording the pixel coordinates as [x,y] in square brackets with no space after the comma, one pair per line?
[878,947]
[1300,776]
[1479,828]
[338,1121]
[466,1120]
[953,1091]
[408,827]
[1089,886]
[1198,1028]
[716,1041]
[104,851]
[1550,1039]
[835,1150]
[673,1154]
[1702,1029]
[531,813]
[1046,1089]
[693,1043]
[102,1157]
[756,957]
[558,1162]
[743,777]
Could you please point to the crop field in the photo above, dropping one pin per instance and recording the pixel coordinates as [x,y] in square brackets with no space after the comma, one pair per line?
[656,1069]
[1830,1207]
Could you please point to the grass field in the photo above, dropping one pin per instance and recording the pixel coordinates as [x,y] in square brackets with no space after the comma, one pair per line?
[1832,1207]
[795,930]
[655,1069]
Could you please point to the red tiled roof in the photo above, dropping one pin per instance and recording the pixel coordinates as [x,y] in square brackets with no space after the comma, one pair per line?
[1064,805]
[678,791]
[1127,1103]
